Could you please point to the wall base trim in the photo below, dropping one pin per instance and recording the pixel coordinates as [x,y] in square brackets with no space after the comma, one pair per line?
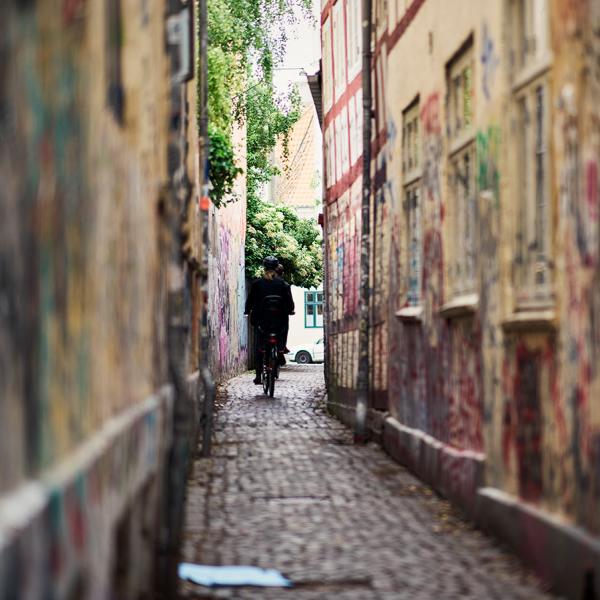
[69,515]
[456,474]
[565,556]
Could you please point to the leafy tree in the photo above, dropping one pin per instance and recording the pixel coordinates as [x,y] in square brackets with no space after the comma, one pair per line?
[246,40]
[275,229]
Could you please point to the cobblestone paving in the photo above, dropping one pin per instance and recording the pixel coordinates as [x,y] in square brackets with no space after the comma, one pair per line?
[287,489]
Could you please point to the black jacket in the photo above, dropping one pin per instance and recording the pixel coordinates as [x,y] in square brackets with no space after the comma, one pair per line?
[268,287]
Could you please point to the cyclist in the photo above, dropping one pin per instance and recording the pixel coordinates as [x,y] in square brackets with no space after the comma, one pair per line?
[268,285]
[279,270]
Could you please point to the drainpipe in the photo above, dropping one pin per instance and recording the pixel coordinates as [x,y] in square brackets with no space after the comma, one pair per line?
[208,384]
[362,391]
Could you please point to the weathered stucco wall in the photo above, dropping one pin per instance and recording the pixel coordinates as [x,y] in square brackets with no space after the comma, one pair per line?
[437,360]
[488,307]
[85,417]
[228,327]
[575,399]
[81,262]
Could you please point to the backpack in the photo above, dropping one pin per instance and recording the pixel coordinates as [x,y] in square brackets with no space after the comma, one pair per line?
[271,316]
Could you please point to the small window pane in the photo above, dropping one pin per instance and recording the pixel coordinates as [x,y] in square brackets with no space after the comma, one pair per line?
[310,309]
[310,297]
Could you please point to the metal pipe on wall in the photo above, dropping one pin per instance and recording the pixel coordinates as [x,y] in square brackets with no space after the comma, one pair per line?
[362,388]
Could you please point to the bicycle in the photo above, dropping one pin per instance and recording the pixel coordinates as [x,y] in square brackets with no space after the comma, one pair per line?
[270,370]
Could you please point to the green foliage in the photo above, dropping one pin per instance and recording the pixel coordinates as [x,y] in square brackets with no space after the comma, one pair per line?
[269,117]
[274,229]
[222,167]
[246,40]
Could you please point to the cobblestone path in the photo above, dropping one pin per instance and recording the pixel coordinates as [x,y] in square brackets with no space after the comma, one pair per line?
[287,489]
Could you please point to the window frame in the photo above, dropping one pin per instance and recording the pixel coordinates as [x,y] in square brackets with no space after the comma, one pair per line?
[413,207]
[533,275]
[460,67]
[463,219]
[461,279]
[339,50]
[412,202]
[315,304]
[354,45]
[530,49]
[115,89]
[327,66]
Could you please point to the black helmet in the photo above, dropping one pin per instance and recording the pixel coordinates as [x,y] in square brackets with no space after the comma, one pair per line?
[270,263]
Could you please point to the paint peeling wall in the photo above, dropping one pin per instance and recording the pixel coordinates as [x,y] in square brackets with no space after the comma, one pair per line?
[575,401]
[228,327]
[486,298]
[436,355]
[85,419]
[342,136]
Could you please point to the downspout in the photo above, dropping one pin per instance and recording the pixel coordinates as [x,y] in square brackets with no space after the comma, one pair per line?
[208,384]
[362,388]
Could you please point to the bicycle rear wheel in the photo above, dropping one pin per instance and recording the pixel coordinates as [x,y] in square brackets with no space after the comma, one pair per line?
[266,379]
[273,370]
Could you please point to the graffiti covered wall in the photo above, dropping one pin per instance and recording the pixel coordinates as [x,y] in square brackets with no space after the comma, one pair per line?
[228,327]
[485,251]
[85,417]
[342,127]
[576,135]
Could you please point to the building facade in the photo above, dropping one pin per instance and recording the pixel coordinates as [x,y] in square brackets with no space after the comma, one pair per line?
[484,258]
[99,312]
[342,153]
[227,325]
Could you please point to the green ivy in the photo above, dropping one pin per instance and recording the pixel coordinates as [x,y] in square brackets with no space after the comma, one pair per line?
[222,168]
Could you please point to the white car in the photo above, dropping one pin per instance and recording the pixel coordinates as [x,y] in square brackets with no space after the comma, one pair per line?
[307,353]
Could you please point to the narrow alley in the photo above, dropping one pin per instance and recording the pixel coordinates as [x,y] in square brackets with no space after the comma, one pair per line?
[286,488]
[400,198]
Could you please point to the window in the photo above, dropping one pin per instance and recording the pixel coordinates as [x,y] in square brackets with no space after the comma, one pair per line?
[462,190]
[412,199]
[352,126]
[411,169]
[353,20]
[410,142]
[530,53]
[338,147]
[461,161]
[327,151]
[530,39]
[327,66]
[533,230]
[460,95]
[355,108]
[339,45]
[313,309]
[344,150]
[115,95]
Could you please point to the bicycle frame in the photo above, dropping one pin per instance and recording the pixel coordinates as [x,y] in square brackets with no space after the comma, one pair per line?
[270,365]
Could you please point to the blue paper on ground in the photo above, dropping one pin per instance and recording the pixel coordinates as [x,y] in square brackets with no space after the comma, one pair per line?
[232,576]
